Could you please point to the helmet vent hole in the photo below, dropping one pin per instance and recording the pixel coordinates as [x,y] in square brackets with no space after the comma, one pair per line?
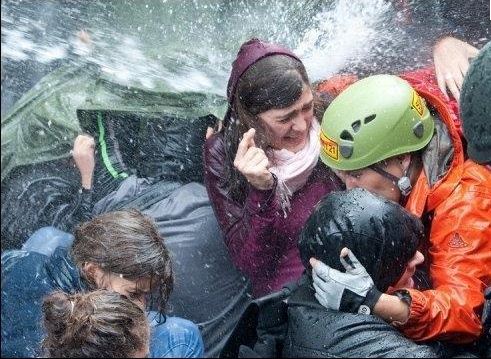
[369,119]
[345,135]
[356,126]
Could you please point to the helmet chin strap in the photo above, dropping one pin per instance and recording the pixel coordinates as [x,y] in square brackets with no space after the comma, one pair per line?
[403,183]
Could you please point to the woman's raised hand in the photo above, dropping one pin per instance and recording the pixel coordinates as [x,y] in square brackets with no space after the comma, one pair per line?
[253,163]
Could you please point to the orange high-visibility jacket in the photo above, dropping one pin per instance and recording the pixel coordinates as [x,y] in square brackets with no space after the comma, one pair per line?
[459,246]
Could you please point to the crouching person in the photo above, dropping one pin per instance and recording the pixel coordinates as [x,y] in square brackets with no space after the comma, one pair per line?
[365,229]
[119,251]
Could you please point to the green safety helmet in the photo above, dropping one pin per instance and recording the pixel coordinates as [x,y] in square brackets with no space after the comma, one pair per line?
[375,118]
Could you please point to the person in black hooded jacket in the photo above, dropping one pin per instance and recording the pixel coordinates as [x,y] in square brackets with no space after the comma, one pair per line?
[384,238]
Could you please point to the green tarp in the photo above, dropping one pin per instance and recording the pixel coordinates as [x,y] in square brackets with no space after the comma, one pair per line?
[43,124]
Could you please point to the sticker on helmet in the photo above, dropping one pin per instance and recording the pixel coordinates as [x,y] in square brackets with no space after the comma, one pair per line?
[330,147]
[417,104]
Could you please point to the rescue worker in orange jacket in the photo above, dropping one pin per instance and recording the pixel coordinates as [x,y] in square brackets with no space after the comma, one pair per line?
[401,142]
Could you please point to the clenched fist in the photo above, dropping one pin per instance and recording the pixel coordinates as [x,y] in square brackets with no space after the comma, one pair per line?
[83,154]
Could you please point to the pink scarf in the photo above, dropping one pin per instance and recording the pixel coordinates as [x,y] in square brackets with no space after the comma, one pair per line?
[294,169]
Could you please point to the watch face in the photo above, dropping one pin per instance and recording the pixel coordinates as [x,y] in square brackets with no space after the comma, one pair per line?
[364,309]
[404,296]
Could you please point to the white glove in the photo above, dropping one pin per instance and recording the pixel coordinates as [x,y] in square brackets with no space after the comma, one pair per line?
[352,291]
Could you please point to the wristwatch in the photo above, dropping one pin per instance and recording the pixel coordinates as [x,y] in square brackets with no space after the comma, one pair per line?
[404,296]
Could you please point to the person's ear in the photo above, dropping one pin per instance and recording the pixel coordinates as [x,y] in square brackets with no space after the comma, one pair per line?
[405,161]
[94,273]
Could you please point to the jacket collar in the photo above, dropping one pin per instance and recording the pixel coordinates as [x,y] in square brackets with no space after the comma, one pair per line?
[429,192]
[303,295]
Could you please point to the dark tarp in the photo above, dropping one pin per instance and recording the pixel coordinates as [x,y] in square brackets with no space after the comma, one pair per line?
[150,145]
[39,195]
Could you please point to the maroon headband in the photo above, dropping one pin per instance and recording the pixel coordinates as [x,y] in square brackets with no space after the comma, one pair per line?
[251,52]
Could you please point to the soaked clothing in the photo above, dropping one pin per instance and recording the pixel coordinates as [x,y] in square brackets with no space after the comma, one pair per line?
[27,277]
[314,332]
[291,323]
[455,195]
[175,338]
[262,242]
[46,240]
[47,194]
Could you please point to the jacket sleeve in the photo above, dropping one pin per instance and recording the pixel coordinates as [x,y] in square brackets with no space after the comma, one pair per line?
[460,257]
[249,227]
[83,209]
[66,213]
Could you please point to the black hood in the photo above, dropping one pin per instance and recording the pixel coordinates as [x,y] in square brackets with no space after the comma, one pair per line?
[381,234]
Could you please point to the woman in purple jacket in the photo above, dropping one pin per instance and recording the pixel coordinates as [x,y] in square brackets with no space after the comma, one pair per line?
[261,169]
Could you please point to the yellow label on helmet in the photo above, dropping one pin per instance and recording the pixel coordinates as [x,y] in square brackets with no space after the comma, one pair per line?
[417,104]
[329,147]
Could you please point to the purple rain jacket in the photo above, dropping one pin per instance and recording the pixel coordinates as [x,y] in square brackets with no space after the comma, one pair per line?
[262,242]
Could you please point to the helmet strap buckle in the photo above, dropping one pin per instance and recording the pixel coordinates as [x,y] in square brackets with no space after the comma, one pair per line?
[402,183]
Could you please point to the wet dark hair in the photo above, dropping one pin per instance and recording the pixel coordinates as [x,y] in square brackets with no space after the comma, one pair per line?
[93,325]
[274,82]
[380,233]
[126,243]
